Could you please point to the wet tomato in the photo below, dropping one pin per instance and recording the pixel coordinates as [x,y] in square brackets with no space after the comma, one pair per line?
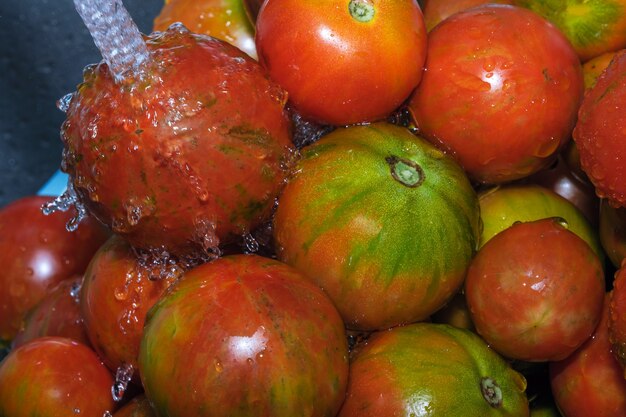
[589,382]
[54,377]
[343,62]
[500,91]
[187,156]
[427,369]
[244,336]
[380,219]
[118,290]
[437,10]
[36,253]
[535,291]
[57,314]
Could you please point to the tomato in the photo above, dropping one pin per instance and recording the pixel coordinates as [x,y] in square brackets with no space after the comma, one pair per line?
[36,253]
[600,132]
[617,317]
[593,68]
[429,369]
[244,336]
[118,290]
[502,206]
[589,383]
[139,406]
[380,219]
[222,19]
[500,91]
[54,377]
[437,10]
[535,291]
[252,8]
[57,314]
[190,157]
[343,62]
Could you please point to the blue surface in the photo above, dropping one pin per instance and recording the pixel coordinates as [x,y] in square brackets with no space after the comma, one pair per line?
[55,185]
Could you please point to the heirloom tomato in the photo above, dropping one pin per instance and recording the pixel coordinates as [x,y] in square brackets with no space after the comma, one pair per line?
[343,61]
[380,219]
[535,291]
[590,382]
[500,91]
[437,10]
[593,68]
[244,336]
[54,377]
[600,132]
[187,154]
[36,253]
[427,369]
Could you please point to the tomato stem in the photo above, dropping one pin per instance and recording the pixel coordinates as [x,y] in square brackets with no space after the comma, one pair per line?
[491,392]
[361,10]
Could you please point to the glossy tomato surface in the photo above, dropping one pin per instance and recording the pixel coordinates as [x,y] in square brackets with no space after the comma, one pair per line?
[500,91]
[244,336]
[186,158]
[343,62]
[117,292]
[54,377]
[437,10]
[590,382]
[380,219]
[57,314]
[600,132]
[535,291]
[425,369]
[223,19]
[36,253]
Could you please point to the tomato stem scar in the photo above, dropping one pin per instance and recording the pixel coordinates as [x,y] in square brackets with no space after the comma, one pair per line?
[406,172]
[361,10]
[491,392]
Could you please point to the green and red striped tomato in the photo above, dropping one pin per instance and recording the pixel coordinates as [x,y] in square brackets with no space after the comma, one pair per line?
[380,219]
[427,369]
[244,336]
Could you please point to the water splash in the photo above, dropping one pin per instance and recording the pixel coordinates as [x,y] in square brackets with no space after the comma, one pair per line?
[63,103]
[116,35]
[123,375]
[63,203]
[251,245]
[75,290]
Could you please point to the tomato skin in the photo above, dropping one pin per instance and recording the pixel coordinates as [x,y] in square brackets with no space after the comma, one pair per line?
[137,407]
[187,158]
[600,132]
[617,317]
[426,369]
[336,69]
[54,377]
[57,314]
[589,382]
[115,297]
[385,252]
[244,336]
[437,10]
[535,291]
[37,252]
[500,91]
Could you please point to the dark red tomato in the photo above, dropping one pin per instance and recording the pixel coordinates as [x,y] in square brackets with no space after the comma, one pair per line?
[589,382]
[117,292]
[343,61]
[54,377]
[535,291]
[57,314]
[244,336]
[189,156]
[500,91]
[600,132]
[36,253]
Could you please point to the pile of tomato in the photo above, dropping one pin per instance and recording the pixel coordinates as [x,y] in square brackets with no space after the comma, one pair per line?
[333,208]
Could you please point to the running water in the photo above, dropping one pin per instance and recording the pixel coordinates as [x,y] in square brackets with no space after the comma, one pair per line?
[115,34]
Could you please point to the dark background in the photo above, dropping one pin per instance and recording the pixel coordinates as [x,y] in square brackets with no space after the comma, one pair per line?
[43,48]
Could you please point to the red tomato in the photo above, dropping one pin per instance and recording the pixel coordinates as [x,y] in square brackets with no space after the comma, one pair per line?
[116,295]
[535,291]
[244,336]
[54,377]
[36,253]
[589,383]
[437,10]
[500,91]
[600,132]
[57,314]
[343,62]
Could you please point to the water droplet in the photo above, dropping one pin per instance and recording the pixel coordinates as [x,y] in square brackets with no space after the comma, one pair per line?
[218,365]
[250,243]
[561,222]
[123,376]
[63,203]
[107,414]
[75,290]
[76,411]
[63,103]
